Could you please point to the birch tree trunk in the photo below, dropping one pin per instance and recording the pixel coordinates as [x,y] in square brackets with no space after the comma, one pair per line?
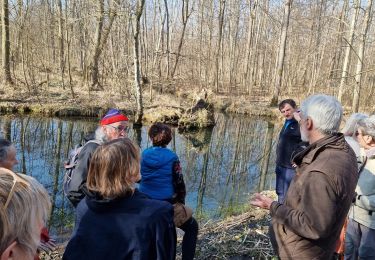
[361,51]
[281,54]
[349,46]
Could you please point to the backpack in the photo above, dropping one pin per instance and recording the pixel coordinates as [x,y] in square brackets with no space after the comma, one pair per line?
[71,164]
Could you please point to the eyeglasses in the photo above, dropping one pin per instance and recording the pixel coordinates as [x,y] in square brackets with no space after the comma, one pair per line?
[120,128]
[16,178]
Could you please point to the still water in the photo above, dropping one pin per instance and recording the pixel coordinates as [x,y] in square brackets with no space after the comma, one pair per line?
[222,166]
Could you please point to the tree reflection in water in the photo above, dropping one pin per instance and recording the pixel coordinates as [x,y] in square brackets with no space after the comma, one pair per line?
[222,165]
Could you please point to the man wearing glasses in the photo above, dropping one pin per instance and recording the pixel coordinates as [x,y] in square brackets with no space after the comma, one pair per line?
[307,225]
[113,125]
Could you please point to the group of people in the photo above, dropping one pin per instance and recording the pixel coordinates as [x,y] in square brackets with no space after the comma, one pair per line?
[128,204]
[325,182]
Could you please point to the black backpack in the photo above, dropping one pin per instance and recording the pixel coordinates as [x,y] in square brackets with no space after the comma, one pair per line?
[71,164]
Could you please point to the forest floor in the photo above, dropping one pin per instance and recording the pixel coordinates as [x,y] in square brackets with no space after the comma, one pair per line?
[240,237]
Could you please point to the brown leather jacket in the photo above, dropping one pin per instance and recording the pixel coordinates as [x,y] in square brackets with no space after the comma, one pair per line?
[318,200]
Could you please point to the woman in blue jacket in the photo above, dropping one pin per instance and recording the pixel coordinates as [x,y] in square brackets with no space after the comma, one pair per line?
[115,221]
[162,180]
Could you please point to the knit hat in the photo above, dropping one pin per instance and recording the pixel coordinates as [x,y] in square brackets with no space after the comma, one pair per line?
[113,116]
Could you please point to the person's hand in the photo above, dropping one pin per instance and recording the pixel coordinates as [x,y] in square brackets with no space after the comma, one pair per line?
[297,115]
[261,201]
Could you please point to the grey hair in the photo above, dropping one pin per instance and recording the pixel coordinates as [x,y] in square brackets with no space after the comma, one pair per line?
[367,125]
[325,112]
[351,124]
[29,204]
[4,149]
[100,135]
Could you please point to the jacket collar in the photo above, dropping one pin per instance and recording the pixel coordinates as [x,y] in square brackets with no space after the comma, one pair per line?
[309,154]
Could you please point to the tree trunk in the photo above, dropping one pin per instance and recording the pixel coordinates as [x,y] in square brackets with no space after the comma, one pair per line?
[221,24]
[137,74]
[185,16]
[97,50]
[349,42]
[61,42]
[281,54]
[6,43]
[361,51]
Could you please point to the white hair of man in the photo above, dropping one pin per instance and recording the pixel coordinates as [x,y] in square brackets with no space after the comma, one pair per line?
[325,112]
[367,125]
[100,135]
[351,124]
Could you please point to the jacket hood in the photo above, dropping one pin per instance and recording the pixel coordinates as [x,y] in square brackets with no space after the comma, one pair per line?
[156,157]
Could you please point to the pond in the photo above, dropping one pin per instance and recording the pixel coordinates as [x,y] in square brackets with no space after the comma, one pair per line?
[222,166]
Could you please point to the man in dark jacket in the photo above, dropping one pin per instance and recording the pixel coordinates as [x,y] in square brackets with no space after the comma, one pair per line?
[113,125]
[289,143]
[308,224]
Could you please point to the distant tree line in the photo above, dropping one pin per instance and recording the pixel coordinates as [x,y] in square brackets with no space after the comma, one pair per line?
[259,48]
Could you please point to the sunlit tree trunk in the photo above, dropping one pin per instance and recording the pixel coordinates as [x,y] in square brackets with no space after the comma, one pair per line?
[360,62]
[281,53]
[348,48]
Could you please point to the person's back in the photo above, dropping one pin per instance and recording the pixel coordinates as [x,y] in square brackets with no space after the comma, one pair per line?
[162,179]
[124,228]
[115,221]
[113,125]
[156,169]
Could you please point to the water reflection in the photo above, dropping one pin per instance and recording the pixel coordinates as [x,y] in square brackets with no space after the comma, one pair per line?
[222,165]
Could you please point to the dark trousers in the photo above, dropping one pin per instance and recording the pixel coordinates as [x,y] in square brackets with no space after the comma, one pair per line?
[189,241]
[359,242]
[283,178]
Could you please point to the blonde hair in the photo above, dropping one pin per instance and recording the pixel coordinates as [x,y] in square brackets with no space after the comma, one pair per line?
[114,168]
[28,205]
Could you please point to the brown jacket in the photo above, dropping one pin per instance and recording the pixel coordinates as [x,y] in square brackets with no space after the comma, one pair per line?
[318,200]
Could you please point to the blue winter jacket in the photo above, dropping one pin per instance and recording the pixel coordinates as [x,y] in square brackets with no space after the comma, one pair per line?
[156,170]
[134,227]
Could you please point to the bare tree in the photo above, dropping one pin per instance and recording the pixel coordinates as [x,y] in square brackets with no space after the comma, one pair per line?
[360,62]
[6,43]
[185,17]
[281,52]
[349,46]
[137,71]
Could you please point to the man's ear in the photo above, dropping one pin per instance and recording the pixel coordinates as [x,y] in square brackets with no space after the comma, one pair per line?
[8,253]
[309,123]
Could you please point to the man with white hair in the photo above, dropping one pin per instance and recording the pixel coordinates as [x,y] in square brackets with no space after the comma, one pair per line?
[308,224]
[113,125]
